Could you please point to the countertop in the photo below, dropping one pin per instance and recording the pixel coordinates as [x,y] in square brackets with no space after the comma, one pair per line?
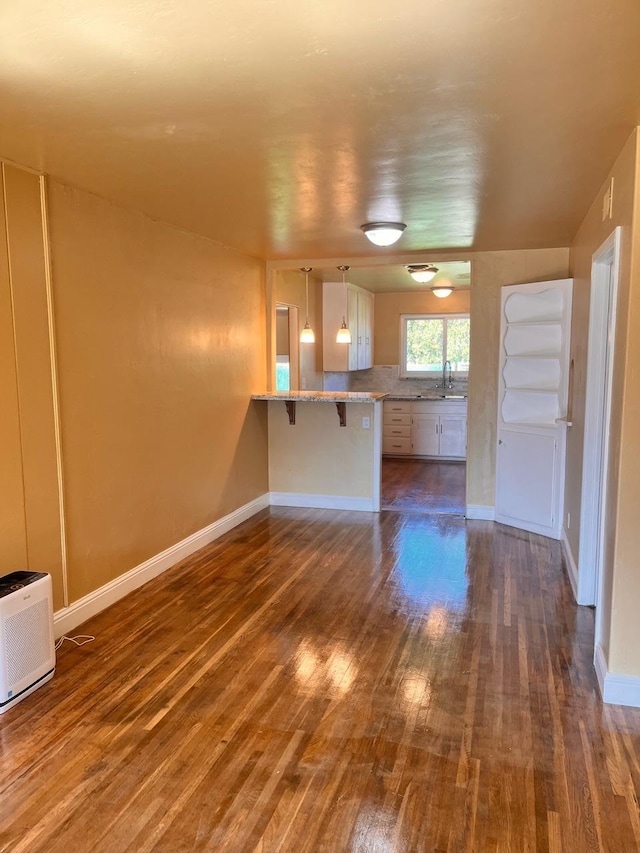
[440,398]
[322,396]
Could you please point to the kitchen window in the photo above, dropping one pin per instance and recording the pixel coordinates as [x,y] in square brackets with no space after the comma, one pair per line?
[429,340]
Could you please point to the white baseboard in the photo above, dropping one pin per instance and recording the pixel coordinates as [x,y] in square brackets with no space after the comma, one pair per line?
[75,614]
[477,512]
[572,569]
[322,501]
[616,689]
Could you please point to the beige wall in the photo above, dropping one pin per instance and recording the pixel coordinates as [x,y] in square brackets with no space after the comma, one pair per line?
[317,456]
[161,341]
[13,532]
[160,338]
[389,307]
[621,589]
[31,527]
[290,290]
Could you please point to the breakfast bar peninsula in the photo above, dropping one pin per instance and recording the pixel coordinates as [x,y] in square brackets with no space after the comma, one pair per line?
[326,456]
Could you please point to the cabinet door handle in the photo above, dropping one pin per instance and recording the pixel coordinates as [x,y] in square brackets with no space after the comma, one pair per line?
[440,429]
[436,429]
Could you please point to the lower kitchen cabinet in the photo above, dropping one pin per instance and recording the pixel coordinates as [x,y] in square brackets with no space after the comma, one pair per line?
[425,428]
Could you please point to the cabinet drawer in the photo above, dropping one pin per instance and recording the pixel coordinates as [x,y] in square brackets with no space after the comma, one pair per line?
[391,444]
[397,406]
[397,420]
[397,431]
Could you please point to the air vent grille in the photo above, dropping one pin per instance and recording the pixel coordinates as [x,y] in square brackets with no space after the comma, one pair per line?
[27,641]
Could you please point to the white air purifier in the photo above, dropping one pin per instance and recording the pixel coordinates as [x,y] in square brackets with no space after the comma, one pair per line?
[27,645]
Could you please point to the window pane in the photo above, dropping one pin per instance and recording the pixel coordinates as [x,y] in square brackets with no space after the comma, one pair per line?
[458,344]
[283,379]
[424,345]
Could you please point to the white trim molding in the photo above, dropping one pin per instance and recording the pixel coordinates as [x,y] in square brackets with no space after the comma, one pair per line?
[616,689]
[478,512]
[572,569]
[79,611]
[360,504]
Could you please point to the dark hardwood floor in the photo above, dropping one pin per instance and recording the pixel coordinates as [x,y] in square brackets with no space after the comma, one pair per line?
[331,681]
[421,485]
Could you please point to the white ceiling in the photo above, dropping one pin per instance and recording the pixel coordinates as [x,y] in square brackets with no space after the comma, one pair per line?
[279,126]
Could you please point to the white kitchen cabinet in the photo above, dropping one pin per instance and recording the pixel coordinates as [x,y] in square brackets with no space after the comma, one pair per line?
[356,306]
[428,428]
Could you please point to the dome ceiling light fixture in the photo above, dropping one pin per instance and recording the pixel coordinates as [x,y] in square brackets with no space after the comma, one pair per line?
[443,291]
[383,233]
[422,272]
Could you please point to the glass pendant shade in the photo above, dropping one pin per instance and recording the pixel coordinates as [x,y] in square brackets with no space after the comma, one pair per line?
[383,233]
[306,335]
[344,335]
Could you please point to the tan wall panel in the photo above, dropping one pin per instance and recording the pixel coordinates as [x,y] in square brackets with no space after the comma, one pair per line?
[13,531]
[317,455]
[161,342]
[621,588]
[489,271]
[389,307]
[33,358]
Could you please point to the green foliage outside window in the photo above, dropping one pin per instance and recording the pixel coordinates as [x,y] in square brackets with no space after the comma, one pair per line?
[430,341]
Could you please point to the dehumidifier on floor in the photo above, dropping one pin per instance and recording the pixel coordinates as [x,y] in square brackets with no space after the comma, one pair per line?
[27,645]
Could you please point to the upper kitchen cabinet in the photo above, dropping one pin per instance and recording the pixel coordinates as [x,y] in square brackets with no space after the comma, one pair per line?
[354,305]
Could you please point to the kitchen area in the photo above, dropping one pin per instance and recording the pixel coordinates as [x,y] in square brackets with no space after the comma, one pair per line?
[385,332]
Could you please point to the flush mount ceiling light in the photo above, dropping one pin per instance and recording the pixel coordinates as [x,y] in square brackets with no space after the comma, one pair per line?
[442,292]
[422,272]
[344,335]
[306,335]
[383,233]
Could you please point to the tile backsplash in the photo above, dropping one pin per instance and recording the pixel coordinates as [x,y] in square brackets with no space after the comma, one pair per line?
[385,378]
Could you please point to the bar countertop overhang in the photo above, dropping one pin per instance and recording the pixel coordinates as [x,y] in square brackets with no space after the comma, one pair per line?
[322,396]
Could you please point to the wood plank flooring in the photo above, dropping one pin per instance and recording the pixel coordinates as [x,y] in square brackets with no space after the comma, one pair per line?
[423,485]
[331,681]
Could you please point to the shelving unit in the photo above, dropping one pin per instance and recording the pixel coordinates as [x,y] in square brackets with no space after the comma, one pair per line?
[532,405]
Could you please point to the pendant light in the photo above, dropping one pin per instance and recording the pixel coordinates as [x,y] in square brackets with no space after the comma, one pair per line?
[306,335]
[344,335]
[422,272]
[383,233]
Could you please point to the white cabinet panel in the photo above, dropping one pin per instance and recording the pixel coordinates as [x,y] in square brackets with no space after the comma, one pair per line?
[433,428]
[425,435]
[526,478]
[356,306]
[453,435]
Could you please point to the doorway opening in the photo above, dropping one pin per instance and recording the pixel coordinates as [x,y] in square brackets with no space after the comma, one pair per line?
[423,485]
[287,352]
[602,318]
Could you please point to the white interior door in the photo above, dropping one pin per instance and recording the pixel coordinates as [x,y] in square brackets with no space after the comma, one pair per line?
[532,405]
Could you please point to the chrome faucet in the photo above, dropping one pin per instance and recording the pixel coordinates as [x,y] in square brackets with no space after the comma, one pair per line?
[445,383]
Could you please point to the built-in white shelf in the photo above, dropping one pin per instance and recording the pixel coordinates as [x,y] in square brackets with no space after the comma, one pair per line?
[533,340]
[534,308]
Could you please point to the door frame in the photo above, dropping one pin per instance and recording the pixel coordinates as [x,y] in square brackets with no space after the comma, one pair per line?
[605,270]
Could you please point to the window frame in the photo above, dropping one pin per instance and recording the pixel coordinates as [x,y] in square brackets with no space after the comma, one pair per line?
[429,374]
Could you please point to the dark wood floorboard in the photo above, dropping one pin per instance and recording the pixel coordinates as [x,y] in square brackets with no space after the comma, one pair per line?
[423,485]
[331,681]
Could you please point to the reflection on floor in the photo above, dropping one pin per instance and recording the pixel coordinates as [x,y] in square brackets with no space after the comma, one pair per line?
[419,485]
[320,682]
